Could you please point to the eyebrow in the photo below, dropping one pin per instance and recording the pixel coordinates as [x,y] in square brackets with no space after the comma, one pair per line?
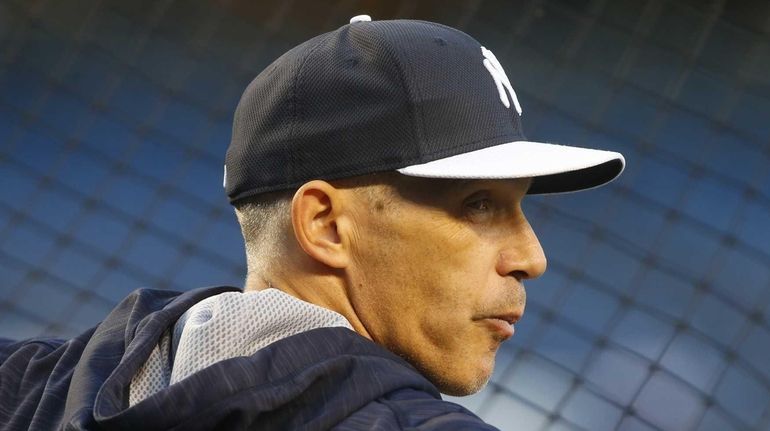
[462,182]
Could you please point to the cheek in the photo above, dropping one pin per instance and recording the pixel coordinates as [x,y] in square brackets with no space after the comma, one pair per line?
[447,277]
[423,289]
[437,257]
[423,272]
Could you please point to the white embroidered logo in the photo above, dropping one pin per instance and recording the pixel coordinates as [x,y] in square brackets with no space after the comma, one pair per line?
[501,79]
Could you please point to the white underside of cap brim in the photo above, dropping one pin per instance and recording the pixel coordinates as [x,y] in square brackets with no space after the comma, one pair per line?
[519,159]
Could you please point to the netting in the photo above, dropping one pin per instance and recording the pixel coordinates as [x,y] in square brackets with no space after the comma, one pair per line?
[114,119]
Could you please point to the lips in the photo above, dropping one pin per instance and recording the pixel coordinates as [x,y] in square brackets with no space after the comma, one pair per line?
[510,318]
[501,325]
[500,328]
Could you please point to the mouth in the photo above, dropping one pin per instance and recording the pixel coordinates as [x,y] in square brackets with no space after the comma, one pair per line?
[509,318]
[501,325]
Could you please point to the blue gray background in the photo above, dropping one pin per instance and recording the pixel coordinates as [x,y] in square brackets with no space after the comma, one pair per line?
[115,116]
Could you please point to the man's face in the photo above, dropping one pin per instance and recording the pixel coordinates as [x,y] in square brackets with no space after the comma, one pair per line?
[437,274]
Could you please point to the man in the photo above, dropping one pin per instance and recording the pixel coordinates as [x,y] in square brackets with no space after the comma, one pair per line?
[377,172]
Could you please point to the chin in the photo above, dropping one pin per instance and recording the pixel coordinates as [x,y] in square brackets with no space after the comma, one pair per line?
[462,389]
[467,384]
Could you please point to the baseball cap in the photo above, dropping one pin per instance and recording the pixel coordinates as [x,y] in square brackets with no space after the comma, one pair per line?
[417,97]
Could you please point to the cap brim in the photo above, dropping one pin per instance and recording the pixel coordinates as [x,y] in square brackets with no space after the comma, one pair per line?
[555,168]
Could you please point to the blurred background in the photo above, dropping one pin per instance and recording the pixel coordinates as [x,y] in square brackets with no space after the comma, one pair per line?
[654,314]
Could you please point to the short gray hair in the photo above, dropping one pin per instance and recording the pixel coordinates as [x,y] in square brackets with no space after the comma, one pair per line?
[266,219]
[265,225]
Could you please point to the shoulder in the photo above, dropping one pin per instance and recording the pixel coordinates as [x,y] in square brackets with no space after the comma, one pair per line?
[14,353]
[34,378]
[412,409]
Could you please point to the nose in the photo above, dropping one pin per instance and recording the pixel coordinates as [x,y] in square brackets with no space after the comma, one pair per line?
[522,255]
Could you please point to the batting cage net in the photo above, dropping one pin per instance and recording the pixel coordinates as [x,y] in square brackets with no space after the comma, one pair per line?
[653,315]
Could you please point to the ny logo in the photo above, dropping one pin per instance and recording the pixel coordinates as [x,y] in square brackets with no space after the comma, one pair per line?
[501,79]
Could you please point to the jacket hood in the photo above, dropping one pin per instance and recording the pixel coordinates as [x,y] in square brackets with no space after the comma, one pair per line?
[289,384]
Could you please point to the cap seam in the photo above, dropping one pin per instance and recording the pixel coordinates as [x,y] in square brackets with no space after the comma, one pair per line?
[446,27]
[416,128]
[518,124]
[295,102]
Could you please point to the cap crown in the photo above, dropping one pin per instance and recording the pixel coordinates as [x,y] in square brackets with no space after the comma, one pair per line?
[367,97]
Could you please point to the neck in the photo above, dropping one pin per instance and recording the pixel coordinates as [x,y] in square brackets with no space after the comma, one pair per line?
[324,290]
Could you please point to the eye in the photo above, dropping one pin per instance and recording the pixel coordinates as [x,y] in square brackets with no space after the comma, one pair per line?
[480,205]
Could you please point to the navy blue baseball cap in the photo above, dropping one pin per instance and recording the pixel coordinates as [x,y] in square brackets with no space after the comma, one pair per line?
[415,97]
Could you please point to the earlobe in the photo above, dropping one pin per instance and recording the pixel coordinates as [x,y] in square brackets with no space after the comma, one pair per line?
[315,212]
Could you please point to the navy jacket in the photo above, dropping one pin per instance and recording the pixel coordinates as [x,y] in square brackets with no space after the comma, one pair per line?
[321,379]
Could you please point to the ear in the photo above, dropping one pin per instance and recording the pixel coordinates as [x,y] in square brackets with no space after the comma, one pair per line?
[316,210]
